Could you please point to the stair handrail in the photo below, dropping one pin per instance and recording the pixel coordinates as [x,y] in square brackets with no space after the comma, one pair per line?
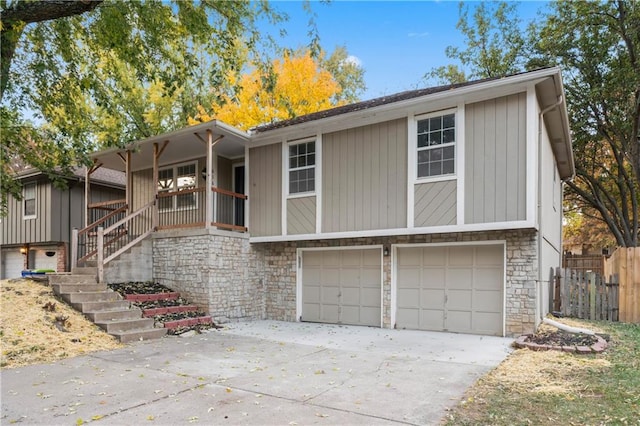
[75,233]
[101,259]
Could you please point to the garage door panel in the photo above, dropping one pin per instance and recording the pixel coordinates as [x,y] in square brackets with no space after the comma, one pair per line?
[311,294]
[461,256]
[490,256]
[460,300]
[349,283]
[311,311]
[430,299]
[370,297]
[408,297]
[460,321]
[433,256]
[431,319]
[461,288]
[12,263]
[488,301]
[489,279]
[408,318]
[488,323]
[433,278]
[460,278]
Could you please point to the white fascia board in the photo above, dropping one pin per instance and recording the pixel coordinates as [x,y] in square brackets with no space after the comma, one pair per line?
[445,229]
[436,101]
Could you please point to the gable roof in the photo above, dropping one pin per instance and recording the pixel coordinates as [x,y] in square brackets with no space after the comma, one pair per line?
[102,175]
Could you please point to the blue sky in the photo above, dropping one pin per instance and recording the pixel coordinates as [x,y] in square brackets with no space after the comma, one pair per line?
[396,42]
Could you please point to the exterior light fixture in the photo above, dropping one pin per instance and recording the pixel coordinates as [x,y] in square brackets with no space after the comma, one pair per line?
[24,250]
[385,251]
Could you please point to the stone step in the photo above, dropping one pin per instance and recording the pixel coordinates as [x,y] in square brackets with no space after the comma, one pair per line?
[119,325]
[85,270]
[91,296]
[137,335]
[188,322]
[77,288]
[169,310]
[114,314]
[101,306]
[72,279]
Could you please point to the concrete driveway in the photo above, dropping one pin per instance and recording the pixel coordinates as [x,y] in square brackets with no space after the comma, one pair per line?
[262,372]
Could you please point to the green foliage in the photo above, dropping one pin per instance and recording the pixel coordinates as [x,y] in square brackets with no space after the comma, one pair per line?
[347,72]
[597,45]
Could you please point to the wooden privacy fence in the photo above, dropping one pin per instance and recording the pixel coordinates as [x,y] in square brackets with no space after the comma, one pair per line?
[584,263]
[625,263]
[586,295]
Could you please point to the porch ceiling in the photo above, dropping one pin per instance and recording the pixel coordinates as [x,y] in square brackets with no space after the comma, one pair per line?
[183,145]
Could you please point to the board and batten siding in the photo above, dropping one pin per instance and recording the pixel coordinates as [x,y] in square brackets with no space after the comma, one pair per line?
[495,160]
[301,215]
[435,203]
[265,190]
[364,178]
[17,230]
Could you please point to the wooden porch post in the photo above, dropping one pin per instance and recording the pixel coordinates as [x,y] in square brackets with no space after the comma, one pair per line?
[128,188]
[156,154]
[87,194]
[209,195]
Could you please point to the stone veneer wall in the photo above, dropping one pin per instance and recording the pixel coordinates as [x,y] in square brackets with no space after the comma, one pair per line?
[521,270]
[217,270]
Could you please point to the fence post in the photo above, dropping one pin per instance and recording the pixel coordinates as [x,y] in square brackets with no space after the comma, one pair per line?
[591,279]
[100,258]
[74,249]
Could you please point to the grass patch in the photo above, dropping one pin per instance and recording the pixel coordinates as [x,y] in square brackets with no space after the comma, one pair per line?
[35,327]
[555,387]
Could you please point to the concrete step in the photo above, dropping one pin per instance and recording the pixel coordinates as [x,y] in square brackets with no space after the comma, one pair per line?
[101,306]
[91,296]
[78,288]
[114,314]
[72,279]
[119,325]
[137,335]
[85,270]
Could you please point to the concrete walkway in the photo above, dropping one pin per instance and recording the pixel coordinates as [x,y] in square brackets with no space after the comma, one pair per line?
[262,372]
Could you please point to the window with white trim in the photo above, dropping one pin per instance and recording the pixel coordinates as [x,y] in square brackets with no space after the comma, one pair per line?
[436,146]
[302,167]
[29,201]
[178,178]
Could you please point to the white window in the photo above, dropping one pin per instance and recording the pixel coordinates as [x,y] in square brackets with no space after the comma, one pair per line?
[436,146]
[29,201]
[174,179]
[302,167]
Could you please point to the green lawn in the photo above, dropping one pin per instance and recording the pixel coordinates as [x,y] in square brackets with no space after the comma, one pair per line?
[558,388]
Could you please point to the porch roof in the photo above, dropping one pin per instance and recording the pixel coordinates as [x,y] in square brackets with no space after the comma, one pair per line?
[183,145]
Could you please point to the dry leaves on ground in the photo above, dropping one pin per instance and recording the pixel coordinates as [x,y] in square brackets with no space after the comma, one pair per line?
[35,327]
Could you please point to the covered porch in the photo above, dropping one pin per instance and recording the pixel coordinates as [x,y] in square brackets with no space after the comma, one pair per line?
[191,178]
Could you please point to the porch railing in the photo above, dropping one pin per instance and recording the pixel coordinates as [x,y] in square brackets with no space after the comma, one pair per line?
[98,211]
[229,211]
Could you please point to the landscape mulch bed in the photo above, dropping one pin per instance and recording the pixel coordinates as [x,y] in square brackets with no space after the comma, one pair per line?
[139,287]
[562,338]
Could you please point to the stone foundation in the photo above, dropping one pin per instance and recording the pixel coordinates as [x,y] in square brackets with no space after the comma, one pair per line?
[521,271]
[216,270]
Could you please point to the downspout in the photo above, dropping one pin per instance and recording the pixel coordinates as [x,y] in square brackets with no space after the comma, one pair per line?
[540,227]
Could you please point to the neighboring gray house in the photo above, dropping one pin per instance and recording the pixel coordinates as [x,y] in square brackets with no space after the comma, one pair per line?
[36,232]
[433,209]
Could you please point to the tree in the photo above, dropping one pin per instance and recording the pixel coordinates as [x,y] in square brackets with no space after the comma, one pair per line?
[91,74]
[597,44]
[292,86]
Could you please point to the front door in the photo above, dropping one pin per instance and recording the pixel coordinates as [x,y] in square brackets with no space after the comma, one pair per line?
[238,187]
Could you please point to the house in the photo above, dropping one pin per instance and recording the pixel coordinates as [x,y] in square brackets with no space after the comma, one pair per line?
[37,229]
[433,209]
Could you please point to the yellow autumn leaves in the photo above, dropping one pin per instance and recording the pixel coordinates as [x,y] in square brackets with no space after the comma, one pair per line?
[296,85]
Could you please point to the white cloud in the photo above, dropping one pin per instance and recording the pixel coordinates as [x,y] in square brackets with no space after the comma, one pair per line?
[351,59]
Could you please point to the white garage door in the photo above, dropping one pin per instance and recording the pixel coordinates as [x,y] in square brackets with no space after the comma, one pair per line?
[12,264]
[342,286]
[456,288]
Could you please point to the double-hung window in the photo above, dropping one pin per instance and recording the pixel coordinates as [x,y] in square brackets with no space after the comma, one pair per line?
[29,201]
[436,145]
[302,167]
[175,179]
